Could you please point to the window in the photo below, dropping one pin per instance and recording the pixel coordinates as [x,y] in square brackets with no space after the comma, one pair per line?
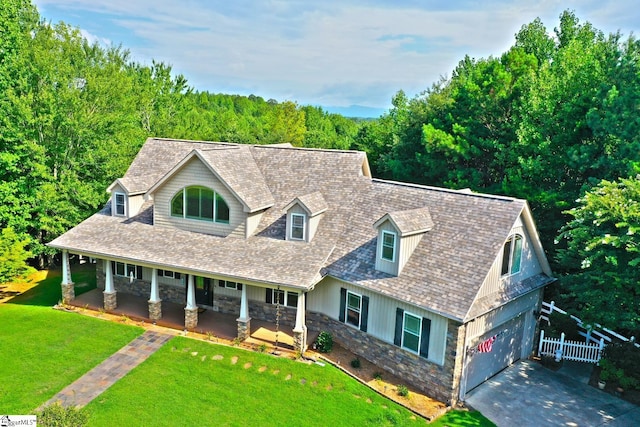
[297,226]
[169,274]
[125,270]
[230,285]
[412,332]
[278,296]
[354,309]
[120,204]
[388,246]
[200,203]
[512,255]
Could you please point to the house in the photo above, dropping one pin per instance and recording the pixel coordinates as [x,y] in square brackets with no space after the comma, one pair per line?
[437,286]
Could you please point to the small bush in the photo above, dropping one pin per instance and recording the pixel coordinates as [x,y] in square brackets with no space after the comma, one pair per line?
[355,363]
[377,376]
[560,323]
[324,342]
[621,363]
[57,416]
[403,390]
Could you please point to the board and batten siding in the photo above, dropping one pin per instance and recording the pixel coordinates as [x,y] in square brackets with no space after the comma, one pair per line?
[382,264]
[529,265]
[196,173]
[297,209]
[325,299]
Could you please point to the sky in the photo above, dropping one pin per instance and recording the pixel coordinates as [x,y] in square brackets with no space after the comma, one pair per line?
[333,53]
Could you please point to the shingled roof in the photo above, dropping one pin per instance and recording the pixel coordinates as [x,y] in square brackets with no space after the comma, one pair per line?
[447,268]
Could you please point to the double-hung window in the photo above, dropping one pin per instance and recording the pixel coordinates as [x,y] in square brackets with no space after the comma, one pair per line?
[388,250]
[512,255]
[286,298]
[297,226]
[412,332]
[411,327]
[353,309]
[121,207]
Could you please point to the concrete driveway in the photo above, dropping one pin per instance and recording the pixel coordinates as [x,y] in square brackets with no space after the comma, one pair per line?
[528,394]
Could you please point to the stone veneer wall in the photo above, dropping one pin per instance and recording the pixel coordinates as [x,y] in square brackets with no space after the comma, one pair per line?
[438,381]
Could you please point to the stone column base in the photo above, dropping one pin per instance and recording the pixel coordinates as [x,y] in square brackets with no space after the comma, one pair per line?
[300,341]
[190,318]
[244,329]
[68,292]
[110,301]
[155,310]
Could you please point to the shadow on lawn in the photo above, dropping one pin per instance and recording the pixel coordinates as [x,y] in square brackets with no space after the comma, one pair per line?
[47,292]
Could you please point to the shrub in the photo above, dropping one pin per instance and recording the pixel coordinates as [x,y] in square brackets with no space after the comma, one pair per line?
[355,363]
[377,376]
[403,390]
[621,363]
[560,323]
[324,342]
[57,416]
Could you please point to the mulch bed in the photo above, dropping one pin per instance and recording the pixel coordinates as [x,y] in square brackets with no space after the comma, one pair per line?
[632,396]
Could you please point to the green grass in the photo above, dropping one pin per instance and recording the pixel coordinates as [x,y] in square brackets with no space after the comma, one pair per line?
[182,384]
[43,350]
[462,419]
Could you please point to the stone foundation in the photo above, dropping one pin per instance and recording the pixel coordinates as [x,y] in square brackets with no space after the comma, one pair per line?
[68,292]
[110,301]
[155,310]
[244,329]
[190,318]
[300,341]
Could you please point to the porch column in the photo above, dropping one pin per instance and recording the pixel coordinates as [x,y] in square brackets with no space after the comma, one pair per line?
[155,303]
[68,293]
[300,329]
[109,294]
[244,321]
[191,310]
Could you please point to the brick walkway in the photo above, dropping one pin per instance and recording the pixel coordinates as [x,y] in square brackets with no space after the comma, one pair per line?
[100,378]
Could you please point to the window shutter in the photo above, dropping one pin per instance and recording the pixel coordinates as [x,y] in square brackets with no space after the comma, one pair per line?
[364,314]
[113,268]
[138,272]
[239,286]
[343,303]
[424,338]
[269,299]
[397,339]
[177,276]
[221,283]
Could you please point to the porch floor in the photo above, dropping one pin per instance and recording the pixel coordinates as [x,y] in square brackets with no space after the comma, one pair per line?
[218,325]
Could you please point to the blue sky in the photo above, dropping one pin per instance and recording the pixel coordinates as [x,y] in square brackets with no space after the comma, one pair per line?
[334,53]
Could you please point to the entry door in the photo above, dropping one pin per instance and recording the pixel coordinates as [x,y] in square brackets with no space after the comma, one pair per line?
[204,290]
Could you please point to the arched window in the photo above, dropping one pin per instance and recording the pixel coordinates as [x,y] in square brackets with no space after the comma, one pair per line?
[512,255]
[200,203]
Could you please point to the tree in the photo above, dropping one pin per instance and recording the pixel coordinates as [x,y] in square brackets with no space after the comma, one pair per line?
[13,255]
[603,254]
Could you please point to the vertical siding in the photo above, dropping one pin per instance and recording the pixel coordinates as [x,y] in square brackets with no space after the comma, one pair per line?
[196,173]
[407,246]
[502,314]
[253,220]
[529,266]
[313,226]
[297,209]
[381,264]
[134,203]
[117,189]
[325,298]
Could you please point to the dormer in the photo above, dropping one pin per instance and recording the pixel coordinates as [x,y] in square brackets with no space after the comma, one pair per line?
[399,233]
[124,202]
[303,216]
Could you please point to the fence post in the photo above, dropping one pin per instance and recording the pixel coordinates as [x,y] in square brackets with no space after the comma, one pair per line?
[551,308]
[588,337]
[561,349]
[540,343]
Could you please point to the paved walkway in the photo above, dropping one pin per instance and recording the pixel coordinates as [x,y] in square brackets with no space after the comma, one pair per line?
[528,394]
[100,378]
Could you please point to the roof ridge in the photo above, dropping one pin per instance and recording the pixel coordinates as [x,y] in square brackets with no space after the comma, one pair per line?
[328,150]
[463,192]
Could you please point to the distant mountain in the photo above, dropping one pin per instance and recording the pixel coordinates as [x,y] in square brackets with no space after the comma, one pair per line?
[356,111]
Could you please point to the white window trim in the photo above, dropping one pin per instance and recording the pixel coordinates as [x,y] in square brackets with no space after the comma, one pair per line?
[346,310]
[382,246]
[286,297]
[126,268]
[116,204]
[215,206]
[304,226]
[404,317]
[227,286]
[510,271]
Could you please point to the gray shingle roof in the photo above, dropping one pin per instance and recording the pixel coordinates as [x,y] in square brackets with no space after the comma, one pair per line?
[314,203]
[409,221]
[443,275]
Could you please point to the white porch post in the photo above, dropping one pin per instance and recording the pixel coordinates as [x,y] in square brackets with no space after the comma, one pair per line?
[109,294]
[68,293]
[155,304]
[300,329]
[191,310]
[244,321]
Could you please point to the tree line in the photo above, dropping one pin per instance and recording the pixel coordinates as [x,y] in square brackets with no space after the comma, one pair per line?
[554,120]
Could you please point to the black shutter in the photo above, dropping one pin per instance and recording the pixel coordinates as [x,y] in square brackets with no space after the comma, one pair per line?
[138,272]
[397,339]
[221,283]
[239,286]
[424,338]
[113,268]
[364,314]
[269,296]
[343,303]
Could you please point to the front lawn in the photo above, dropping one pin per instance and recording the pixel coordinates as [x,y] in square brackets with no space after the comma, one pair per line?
[189,382]
[457,418]
[43,350]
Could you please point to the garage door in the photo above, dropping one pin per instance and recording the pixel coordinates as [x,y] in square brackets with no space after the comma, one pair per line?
[505,350]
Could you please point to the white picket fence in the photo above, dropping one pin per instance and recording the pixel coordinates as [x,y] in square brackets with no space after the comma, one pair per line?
[559,348]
